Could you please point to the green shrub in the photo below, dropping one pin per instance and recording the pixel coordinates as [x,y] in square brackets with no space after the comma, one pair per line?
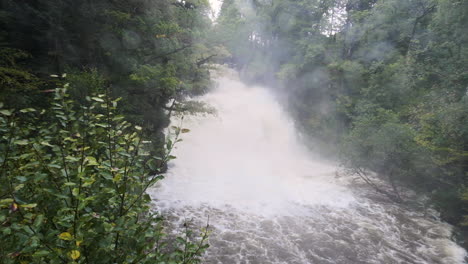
[73,184]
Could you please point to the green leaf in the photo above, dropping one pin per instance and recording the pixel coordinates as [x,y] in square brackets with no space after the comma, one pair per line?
[117,177]
[88,182]
[45,143]
[5,112]
[71,158]
[6,201]
[38,221]
[91,161]
[6,231]
[107,227]
[54,166]
[106,175]
[97,99]
[19,187]
[27,110]
[21,142]
[21,178]
[28,205]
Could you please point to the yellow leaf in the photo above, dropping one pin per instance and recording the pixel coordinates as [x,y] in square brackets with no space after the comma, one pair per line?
[65,236]
[74,254]
[78,242]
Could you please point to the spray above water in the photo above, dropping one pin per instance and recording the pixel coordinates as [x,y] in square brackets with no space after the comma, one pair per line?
[271,201]
[247,156]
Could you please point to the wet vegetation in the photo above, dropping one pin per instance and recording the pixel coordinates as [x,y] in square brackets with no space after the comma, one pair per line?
[87,88]
[382,84]
[75,165]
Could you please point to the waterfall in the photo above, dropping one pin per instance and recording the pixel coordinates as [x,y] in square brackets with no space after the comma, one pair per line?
[270,200]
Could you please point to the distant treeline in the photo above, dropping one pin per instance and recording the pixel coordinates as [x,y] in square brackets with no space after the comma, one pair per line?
[382,83]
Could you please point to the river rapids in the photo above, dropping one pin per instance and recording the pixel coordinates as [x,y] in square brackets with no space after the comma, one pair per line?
[270,200]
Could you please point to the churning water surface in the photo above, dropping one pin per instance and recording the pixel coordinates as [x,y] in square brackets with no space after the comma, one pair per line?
[270,200]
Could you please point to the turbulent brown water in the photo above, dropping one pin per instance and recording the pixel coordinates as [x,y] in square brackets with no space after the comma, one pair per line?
[269,200]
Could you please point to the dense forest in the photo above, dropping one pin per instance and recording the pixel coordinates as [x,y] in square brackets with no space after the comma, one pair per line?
[74,172]
[383,84]
[88,88]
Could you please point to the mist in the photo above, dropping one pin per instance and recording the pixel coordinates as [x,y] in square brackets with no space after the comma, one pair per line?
[234,131]
[271,199]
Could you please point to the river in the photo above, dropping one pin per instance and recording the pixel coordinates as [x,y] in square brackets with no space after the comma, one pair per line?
[270,200]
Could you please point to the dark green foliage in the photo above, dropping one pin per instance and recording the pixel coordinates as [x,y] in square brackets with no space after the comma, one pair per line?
[18,85]
[74,172]
[73,187]
[147,52]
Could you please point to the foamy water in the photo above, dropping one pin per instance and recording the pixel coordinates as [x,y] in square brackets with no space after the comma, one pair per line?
[271,201]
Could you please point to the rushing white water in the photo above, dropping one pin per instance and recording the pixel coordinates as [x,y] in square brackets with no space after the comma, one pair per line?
[271,201]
